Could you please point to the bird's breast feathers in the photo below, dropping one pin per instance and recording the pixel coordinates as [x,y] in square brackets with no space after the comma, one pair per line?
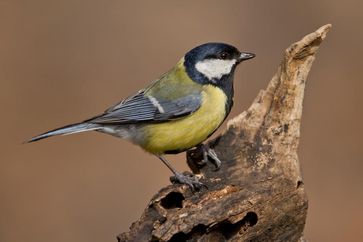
[189,131]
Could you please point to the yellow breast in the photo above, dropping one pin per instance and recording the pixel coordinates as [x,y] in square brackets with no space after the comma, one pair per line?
[187,132]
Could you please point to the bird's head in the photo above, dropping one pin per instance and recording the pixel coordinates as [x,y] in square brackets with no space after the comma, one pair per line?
[213,62]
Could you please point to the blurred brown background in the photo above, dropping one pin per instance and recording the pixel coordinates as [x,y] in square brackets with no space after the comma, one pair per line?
[64,61]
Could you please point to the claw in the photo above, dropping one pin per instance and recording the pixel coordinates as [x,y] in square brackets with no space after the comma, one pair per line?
[189,179]
[209,152]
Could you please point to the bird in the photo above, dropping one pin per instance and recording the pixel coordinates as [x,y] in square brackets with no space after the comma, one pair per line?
[175,113]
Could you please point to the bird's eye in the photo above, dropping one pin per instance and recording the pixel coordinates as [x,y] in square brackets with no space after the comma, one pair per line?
[224,55]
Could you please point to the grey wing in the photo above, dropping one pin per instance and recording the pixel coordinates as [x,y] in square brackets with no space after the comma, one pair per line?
[145,108]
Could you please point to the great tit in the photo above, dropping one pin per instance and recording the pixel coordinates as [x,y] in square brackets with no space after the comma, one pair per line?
[178,111]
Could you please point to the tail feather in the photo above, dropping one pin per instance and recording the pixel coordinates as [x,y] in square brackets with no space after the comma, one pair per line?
[69,129]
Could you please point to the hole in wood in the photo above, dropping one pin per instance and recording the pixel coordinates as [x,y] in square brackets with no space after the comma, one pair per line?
[229,230]
[196,232]
[172,200]
[179,237]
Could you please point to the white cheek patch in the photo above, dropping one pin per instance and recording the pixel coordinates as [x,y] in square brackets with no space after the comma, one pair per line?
[215,68]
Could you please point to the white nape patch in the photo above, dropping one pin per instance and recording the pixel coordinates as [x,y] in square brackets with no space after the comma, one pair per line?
[214,68]
[156,104]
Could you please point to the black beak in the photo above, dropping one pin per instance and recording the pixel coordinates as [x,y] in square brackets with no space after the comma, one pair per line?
[245,56]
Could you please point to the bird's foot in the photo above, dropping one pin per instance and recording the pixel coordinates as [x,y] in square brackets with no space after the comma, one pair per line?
[187,178]
[210,153]
[200,156]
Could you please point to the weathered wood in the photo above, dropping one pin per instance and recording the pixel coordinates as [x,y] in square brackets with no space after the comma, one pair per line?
[258,194]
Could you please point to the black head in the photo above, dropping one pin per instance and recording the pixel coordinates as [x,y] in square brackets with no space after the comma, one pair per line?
[213,63]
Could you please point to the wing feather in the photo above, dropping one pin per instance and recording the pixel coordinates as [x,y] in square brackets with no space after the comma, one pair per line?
[142,108]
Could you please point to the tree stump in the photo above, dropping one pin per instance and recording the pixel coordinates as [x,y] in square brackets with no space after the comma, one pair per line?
[258,193]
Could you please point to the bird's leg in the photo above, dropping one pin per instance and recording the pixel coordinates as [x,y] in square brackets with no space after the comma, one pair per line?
[209,152]
[188,179]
